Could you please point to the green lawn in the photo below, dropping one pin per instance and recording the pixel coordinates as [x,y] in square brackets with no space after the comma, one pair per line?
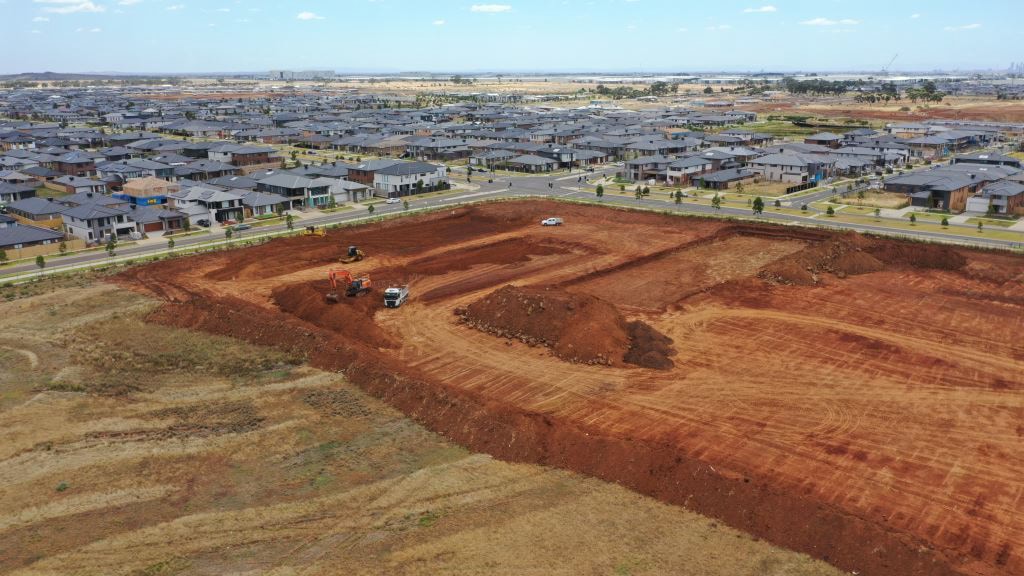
[992,222]
[955,232]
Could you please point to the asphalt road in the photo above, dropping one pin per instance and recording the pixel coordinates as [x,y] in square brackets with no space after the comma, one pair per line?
[561,185]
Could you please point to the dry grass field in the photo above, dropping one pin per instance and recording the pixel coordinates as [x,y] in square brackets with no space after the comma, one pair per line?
[133,448]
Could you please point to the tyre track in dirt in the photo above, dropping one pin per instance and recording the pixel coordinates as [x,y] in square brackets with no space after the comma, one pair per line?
[810,402]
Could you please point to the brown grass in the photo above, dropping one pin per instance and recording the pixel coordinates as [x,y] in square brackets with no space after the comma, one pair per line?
[223,457]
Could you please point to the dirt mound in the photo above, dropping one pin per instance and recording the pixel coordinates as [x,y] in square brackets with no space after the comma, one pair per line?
[842,255]
[648,347]
[577,327]
[351,316]
[917,255]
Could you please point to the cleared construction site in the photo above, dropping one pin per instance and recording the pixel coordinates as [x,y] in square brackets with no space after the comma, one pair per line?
[853,398]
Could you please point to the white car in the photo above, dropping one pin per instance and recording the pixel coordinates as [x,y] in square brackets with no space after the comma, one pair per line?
[551,222]
[393,200]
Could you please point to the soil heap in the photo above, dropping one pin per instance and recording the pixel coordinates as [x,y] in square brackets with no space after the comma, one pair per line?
[852,254]
[577,327]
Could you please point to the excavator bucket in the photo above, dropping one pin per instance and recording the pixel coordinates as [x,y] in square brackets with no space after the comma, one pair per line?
[331,297]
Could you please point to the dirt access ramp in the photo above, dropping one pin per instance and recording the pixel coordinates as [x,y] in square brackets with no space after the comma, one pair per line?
[854,398]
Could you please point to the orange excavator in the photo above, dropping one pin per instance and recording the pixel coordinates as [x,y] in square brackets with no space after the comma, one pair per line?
[352,285]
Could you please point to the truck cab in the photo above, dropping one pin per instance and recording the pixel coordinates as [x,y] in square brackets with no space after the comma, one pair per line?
[395,296]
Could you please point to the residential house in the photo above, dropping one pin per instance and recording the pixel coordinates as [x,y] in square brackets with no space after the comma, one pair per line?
[530,163]
[263,203]
[75,164]
[43,212]
[96,223]
[77,184]
[684,171]
[153,219]
[403,178]
[206,203]
[300,191]
[648,167]
[148,191]
[12,192]
[722,179]
[793,167]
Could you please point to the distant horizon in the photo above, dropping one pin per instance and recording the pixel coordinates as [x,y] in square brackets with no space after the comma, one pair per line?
[521,72]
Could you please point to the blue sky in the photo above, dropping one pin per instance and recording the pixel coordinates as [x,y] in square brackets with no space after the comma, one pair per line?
[508,35]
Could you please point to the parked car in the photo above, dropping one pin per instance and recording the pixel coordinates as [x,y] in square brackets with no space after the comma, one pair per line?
[393,200]
[203,222]
[551,222]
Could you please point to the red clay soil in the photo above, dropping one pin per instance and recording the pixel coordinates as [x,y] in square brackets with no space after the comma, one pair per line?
[577,327]
[852,254]
[873,421]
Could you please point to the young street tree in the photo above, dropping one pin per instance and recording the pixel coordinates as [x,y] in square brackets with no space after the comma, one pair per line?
[638,193]
[289,221]
[63,247]
[830,211]
[170,244]
[111,245]
[599,191]
[878,213]
[3,256]
[758,205]
[370,209]
[913,218]
[716,201]
[228,232]
[678,196]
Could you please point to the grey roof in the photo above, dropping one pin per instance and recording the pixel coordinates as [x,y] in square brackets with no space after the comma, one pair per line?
[92,211]
[23,234]
[290,181]
[1002,188]
[728,175]
[408,168]
[531,160]
[235,182]
[255,199]
[150,214]
[37,206]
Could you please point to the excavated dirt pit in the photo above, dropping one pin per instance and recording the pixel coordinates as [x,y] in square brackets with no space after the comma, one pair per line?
[858,399]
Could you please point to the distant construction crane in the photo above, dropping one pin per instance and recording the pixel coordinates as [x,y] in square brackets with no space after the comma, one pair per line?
[885,70]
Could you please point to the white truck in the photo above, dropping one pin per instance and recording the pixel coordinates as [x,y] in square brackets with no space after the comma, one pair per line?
[395,296]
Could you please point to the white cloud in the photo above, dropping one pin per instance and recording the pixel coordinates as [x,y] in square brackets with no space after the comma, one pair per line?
[40,19]
[915,16]
[88,30]
[128,2]
[439,22]
[819,21]
[36,32]
[174,7]
[70,6]
[223,10]
[761,10]
[974,26]
[684,30]
[490,8]
[719,27]
[308,16]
